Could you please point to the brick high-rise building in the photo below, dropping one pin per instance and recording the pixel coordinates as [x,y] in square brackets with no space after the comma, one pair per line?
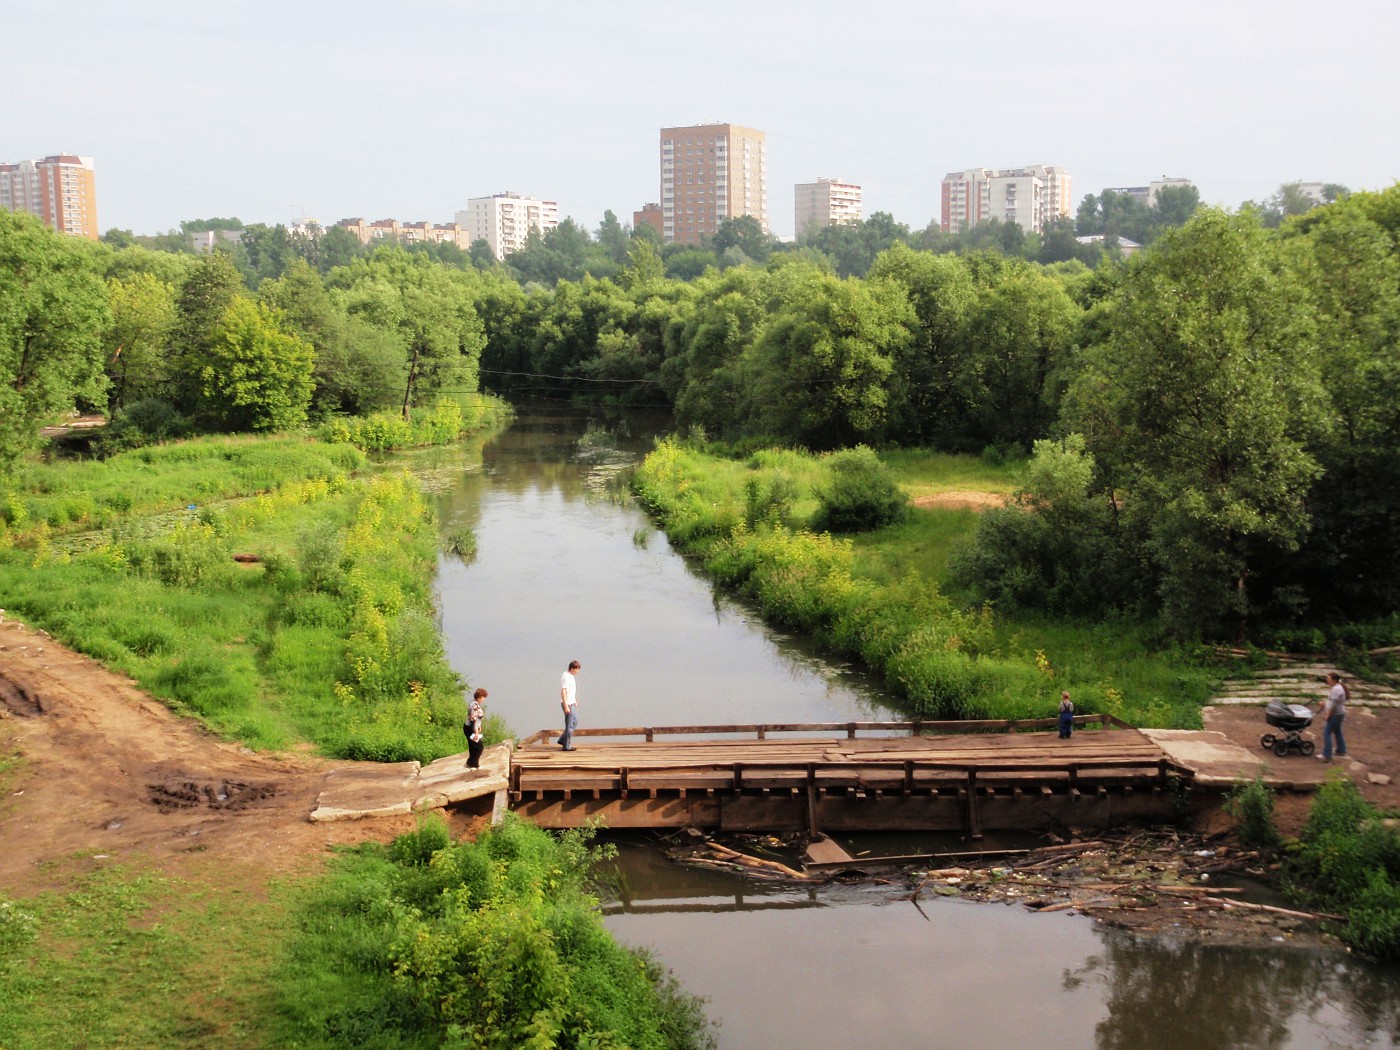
[709,173]
[1027,196]
[59,189]
[826,202]
[505,220]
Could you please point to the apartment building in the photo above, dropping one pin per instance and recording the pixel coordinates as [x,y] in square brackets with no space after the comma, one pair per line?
[404,232]
[709,173]
[1147,195]
[60,189]
[505,220]
[1028,196]
[826,202]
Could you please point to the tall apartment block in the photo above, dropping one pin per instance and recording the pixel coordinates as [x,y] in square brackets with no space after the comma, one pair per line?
[1027,196]
[709,173]
[505,220]
[826,202]
[60,189]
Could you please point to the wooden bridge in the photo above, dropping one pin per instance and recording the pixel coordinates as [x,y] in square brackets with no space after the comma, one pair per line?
[849,776]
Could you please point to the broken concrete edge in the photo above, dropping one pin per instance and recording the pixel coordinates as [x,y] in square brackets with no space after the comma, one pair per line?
[325,814]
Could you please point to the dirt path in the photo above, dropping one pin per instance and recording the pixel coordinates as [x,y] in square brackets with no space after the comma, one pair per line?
[109,773]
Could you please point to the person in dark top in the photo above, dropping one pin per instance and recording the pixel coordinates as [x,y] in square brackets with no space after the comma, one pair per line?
[1066,716]
[474,727]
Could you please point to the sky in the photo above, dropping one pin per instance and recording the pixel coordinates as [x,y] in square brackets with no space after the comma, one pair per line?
[406,109]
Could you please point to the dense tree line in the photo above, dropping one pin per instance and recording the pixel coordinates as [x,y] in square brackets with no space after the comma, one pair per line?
[1223,401]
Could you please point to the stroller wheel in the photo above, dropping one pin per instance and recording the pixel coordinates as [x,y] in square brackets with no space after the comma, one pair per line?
[1281,748]
[1306,746]
[1266,741]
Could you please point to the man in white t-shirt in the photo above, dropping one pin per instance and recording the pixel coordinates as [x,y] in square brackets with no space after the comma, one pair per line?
[568,700]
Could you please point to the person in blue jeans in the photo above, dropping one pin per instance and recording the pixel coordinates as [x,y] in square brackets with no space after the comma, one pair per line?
[1334,712]
[568,700]
[1066,716]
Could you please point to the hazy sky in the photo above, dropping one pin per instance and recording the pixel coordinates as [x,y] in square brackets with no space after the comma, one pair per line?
[406,108]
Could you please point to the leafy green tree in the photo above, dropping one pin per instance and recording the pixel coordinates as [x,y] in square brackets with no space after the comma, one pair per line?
[1198,405]
[822,362]
[1013,340]
[430,311]
[927,401]
[53,311]
[210,286]
[687,262]
[704,368]
[1174,206]
[1348,255]
[143,311]
[482,257]
[744,233]
[612,238]
[255,376]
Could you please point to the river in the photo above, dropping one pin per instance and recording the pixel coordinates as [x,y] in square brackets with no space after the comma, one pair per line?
[565,570]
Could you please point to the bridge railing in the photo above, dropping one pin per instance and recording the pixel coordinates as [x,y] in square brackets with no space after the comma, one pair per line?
[761,730]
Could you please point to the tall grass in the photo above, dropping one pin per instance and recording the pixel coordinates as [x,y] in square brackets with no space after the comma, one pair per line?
[879,598]
[328,635]
[60,496]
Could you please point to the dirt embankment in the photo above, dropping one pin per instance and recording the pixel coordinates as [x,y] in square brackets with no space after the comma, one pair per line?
[108,772]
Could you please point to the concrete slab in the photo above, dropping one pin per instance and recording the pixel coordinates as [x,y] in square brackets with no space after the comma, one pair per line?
[1216,759]
[371,789]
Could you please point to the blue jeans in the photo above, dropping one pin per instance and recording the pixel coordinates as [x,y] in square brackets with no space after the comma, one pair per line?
[1333,728]
[570,724]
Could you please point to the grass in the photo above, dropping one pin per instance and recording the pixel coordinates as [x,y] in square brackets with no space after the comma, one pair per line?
[123,957]
[924,473]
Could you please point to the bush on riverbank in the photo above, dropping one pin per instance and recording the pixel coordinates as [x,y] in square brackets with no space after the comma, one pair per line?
[494,944]
[1348,861]
[327,634]
[445,422]
[876,598]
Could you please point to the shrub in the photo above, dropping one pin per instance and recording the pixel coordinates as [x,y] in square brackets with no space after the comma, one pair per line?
[1252,804]
[1348,861]
[861,495]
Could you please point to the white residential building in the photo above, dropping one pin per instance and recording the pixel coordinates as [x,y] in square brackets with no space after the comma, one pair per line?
[505,220]
[826,202]
[1028,196]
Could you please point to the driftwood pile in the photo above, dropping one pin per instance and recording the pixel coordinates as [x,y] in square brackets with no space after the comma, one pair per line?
[1143,879]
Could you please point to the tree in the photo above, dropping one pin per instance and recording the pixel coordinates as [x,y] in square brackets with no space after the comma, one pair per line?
[53,311]
[430,311]
[256,376]
[612,238]
[1198,404]
[822,362]
[209,289]
[745,233]
[1348,255]
[143,311]
[1175,205]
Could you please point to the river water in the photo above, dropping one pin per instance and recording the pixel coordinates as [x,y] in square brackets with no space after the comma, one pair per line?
[564,570]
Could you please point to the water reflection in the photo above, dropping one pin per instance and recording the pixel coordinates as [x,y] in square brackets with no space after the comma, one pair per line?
[1161,993]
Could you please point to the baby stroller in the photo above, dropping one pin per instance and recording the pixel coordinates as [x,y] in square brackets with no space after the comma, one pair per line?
[1292,719]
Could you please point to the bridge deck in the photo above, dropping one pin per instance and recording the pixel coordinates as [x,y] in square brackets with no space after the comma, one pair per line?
[834,777]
